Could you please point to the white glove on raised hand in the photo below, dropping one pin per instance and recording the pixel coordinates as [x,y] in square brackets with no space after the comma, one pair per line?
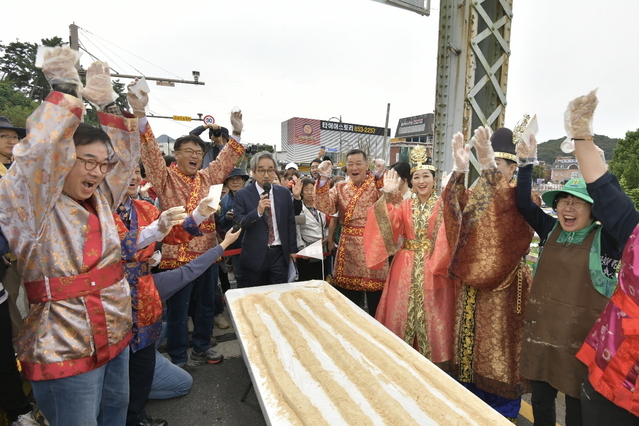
[527,152]
[138,104]
[236,122]
[461,154]
[99,90]
[144,191]
[379,167]
[204,209]
[485,153]
[171,217]
[578,116]
[325,169]
[59,67]
[391,181]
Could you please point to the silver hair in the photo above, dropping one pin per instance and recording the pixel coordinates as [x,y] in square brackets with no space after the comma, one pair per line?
[259,156]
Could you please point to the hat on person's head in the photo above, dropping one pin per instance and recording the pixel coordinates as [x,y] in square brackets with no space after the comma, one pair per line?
[419,160]
[223,130]
[574,187]
[6,124]
[291,166]
[237,172]
[503,145]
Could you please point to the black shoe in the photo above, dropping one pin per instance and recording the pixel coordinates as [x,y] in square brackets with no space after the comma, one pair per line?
[153,422]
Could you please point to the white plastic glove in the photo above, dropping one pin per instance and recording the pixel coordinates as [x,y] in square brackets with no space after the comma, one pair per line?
[171,217]
[527,152]
[99,90]
[485,153]
[236,121]
[59,67]
[325,169]
[156,258]
[204,209]
[391,181]
[461,154]
[144,191]
[379,167]
[138,104]
[578,120]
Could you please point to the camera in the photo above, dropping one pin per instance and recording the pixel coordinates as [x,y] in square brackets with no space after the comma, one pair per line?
[217,133]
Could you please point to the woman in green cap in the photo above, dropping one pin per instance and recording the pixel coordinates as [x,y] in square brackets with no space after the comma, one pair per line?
[573,280]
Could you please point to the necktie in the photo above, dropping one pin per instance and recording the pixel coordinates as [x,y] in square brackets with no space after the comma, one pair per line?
[124,215]
[269,223]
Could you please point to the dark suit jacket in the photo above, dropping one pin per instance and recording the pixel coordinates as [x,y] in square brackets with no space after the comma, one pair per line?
[255,235]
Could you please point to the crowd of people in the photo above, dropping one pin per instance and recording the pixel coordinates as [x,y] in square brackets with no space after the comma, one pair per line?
[84,211]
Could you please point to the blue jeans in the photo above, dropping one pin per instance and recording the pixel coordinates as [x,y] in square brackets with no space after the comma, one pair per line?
[169,380]
[98,397]
[178,312]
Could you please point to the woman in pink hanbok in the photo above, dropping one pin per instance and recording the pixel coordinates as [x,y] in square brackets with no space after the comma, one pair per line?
[418,298]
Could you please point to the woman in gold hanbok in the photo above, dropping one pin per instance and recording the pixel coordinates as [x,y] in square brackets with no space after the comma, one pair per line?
[418,298]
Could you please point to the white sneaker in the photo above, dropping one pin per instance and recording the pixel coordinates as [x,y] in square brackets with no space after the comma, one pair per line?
[221,322]
[26,420]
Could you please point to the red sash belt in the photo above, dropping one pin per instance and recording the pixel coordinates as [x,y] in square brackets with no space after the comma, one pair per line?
[74,286]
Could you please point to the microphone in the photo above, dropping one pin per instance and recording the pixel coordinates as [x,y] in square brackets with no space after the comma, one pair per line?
[267,189]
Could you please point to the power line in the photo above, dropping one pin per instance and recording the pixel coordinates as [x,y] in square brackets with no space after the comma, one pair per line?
[131,53]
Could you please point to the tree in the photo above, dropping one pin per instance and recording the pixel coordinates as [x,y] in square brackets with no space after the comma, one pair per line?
[624,164]
[15,105]
[539,172]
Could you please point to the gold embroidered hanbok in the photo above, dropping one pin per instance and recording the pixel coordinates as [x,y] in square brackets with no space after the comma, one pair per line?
[418,298]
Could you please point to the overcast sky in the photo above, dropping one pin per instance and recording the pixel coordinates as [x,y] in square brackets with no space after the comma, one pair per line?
[320,59]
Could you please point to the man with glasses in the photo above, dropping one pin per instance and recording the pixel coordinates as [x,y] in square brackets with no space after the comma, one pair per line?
[268,220]
[183,183]
[56,212]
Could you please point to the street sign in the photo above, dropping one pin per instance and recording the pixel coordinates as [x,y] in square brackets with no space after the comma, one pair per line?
[165,83]
[181,118]
[332,150]
[412,5]
[208,119]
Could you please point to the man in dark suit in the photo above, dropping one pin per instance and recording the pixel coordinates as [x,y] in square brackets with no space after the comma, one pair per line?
[268,220]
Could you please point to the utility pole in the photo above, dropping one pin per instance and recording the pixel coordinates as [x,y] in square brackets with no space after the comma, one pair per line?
[472,72]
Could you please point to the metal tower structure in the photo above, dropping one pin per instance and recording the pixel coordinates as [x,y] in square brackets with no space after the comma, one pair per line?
[472,72]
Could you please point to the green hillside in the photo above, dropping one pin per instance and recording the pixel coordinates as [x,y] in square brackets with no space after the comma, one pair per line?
[548,151]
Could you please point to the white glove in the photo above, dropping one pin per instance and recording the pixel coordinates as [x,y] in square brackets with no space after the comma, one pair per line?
[461,154]
[485,153]
[391,181]
[138,104]
[379,166]
[236,121]
[325,169]
[144,191]
[99,90]
[59,67]
[171,217]
[204,209]
[527,152]
[156,258]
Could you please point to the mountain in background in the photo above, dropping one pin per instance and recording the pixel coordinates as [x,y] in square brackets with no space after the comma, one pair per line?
[550,150]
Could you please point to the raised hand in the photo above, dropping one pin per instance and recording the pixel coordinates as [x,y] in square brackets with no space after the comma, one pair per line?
[296,189]
[380,166]
[485,153]
[325,168]
[59,69]
[578,116]
[461,153]
[236,122]
[99,90]
[138,104]
[527,152]
[391,181]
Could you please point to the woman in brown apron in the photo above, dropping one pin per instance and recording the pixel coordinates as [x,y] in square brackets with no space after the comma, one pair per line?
[574,278]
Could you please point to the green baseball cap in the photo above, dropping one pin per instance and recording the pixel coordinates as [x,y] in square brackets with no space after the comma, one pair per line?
[574,187]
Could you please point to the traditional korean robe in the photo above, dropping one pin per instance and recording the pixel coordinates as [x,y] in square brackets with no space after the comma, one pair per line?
[68,254]
[352,203]
[176,189]
[490,239]
[417,302]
